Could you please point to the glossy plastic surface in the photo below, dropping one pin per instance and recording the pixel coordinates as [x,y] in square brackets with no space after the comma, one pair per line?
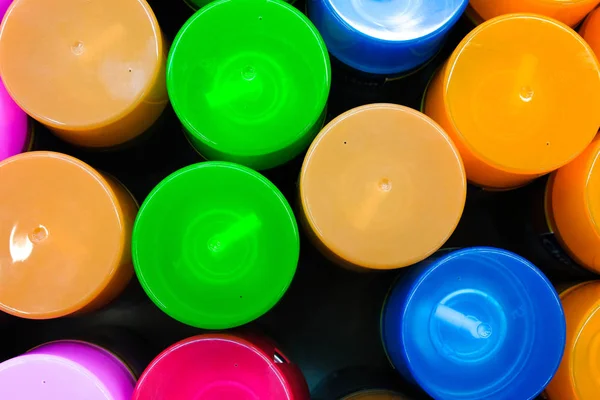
[384,37]
[570,12]
[215,367]
[215,245]
[508,94]
[573,207]
[590,31]
[253,95]
[577,376]
[15,135]
[64,236]
[196,4]
[4,4]
[66,370]
[92,71]
[475,323]
[382,187]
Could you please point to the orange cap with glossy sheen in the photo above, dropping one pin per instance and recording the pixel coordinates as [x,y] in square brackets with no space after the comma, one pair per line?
[375,395]
[590,30]
[92,71]
[65,234]
[570,12]
[520,97]
[573,207]
[578,375]
[382,187]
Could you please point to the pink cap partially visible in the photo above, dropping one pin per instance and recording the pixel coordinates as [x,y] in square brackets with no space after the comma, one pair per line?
[221,366]
[14,128]
[66,370]
[14,133]
[4,4]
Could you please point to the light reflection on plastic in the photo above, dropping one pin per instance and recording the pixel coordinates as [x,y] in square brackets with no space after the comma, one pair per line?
[20,246]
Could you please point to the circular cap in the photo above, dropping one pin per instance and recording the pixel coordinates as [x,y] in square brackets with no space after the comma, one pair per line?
[215,245]
[477,323]
[65,370]
[99,59]
[213,367]
[577,376]
[398,20]
[570,12]
[256,98]
[382,187]
[590,30]
[62,235]
[512,89]
[14,128]
[574,205]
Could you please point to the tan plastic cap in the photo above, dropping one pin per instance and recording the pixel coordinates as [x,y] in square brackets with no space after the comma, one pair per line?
[382,187]
[65,235]
[92,71]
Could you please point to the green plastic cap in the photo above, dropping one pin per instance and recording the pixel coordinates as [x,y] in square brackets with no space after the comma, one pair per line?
[249,80]
[196,4]
[215,245]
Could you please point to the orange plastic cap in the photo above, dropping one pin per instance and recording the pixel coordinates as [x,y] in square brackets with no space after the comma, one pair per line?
[382,187]
[574,207]
[570,12]
[577,375]
[64,236]
[590,30]
[92,71]
[520,98]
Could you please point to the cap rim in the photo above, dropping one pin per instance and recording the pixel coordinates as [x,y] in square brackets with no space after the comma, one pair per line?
[174,89]
[92,295]
[209,322]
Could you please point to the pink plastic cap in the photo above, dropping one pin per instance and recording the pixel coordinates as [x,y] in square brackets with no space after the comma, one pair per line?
[66,370]
[214,367]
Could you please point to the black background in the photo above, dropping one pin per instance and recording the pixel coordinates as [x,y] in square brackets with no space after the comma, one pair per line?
[329,319]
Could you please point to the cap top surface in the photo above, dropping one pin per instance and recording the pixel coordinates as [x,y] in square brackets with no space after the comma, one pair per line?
[215,245]
[61,231]
[99,58]
[382,186]
[515,85]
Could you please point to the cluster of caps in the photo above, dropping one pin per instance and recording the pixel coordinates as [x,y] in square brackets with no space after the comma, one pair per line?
[216,244]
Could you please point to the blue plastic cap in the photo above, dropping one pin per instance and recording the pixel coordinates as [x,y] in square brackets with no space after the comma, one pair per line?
[386,37]
[477,323]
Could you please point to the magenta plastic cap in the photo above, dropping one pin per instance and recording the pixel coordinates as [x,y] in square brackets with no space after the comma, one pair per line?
[216,367]
[14,128]
[66,370]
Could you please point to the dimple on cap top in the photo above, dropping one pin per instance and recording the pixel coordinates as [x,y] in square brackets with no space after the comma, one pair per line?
[92,71]
[382,187]
[475,323]
[215,245]
[65,232]
[256,94]
[508,94]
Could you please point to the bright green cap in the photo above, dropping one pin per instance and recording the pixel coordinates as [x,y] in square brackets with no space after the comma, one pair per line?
[249,80]
[215,245]
[196,4]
